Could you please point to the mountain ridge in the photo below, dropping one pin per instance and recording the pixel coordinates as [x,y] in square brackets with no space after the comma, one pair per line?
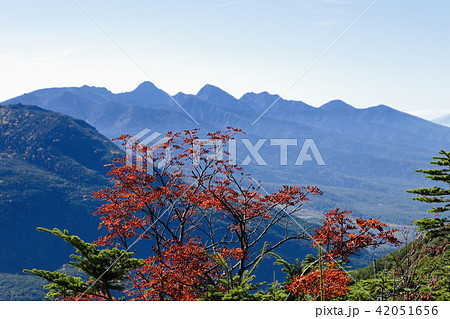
[370,153]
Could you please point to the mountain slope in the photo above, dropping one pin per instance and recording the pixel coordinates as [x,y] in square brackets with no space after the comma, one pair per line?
[15,287]
[50,164]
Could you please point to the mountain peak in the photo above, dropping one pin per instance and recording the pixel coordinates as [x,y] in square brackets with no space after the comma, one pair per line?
[336,105]
[263,99]
[95,88]
[210,87]
[147,93]
[145,86]
[263,94]
[384,107]
[216,95]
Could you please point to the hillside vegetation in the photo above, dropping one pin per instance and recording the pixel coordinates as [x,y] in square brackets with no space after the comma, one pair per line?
[50,164]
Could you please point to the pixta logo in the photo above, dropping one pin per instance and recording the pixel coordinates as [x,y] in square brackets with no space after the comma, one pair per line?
[139,152]
[252,151]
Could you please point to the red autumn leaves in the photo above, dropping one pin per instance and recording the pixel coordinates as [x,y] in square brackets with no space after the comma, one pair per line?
[335,284]
[183,214]
[340,237]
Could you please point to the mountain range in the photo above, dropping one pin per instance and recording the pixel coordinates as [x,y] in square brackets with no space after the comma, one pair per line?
[370,154]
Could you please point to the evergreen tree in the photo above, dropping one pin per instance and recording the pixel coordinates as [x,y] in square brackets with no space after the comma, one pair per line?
[107,269]
[437,226]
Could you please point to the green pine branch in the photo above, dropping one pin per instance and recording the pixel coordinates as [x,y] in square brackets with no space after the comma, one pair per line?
[107,270]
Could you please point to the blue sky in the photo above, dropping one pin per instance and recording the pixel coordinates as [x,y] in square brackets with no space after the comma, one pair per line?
[398,54]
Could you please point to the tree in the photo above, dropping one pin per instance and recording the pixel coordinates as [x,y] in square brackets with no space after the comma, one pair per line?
[234,287]
[342,237]
[107,270]
[308,287]
[324,278]
[203,227]
[312,280]
[438,225]
[188,209]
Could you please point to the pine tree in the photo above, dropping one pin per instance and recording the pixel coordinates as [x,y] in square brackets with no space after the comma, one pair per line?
[107,269]
[437,226]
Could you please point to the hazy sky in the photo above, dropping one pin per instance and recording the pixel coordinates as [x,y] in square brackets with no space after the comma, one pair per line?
[398,54]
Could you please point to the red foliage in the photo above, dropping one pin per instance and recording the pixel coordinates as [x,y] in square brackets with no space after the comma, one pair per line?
[335,284]
[341,236]
[180,272]
[210,200]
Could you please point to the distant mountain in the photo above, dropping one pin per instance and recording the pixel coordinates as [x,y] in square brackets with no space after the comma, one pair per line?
[443,120]
[145,92]
[50,164]
[370,154]
[262,100]
[215,95]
